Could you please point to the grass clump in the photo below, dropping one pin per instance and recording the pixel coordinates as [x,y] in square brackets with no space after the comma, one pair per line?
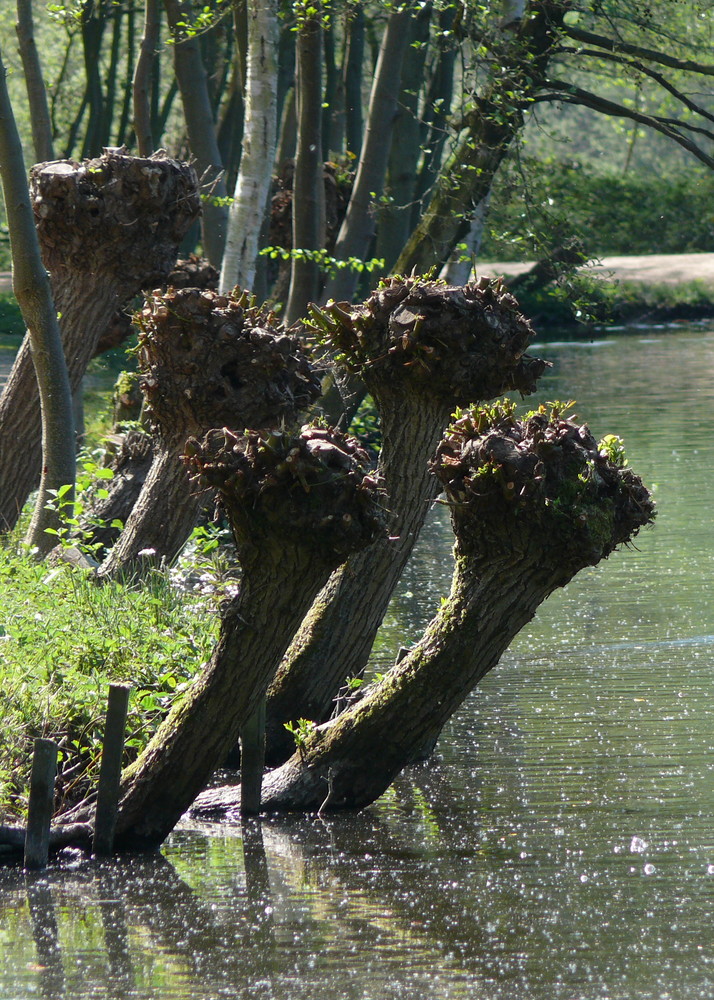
[63,639]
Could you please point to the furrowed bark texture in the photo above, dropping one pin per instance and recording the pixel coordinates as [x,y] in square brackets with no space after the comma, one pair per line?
[532,504]
[298,507]
[106,228]
[335,639]
[206,360]
[423,349]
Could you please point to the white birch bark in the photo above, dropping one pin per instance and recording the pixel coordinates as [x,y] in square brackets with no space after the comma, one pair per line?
[245,216]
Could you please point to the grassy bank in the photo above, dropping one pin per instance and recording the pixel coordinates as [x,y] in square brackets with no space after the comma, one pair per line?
[63,639]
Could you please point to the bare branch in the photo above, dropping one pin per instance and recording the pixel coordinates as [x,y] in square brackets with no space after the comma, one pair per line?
[569,94]
[611,45]
[646,71]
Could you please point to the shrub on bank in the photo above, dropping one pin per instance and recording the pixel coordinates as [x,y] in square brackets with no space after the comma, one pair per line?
[539,204]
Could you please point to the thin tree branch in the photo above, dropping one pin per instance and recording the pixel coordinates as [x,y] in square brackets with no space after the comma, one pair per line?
[612,45]
[575,95]
[647,71]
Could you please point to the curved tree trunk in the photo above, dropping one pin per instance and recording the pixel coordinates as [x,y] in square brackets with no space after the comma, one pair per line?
[48,378]
[336,637]
[532,503]
[298,507]
[161,519]
[423,349]
[106,228]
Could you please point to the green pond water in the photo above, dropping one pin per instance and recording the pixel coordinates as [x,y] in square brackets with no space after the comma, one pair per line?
[560,846]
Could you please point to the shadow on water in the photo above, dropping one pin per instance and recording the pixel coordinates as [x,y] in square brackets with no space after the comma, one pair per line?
[558,847]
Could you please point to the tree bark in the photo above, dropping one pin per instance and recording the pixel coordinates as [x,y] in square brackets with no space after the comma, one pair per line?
[250,197]
[143,78]
[308,184]
[423,349]
[436,111]
[498,116]
[49,379]
[532,503]
[298,507]
[352,77]
[193,84]
[161,519]
[35,83]
[195,348]
[395,218]
[358,226]
[106,228]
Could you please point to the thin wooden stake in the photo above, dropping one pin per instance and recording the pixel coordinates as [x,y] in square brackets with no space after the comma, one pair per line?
[110,769]
[252,761]
[42,793]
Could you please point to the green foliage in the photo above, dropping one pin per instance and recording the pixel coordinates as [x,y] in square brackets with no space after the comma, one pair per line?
[366,425]
[300,731]
[63,638]
[328,265]
[73,511]
[539,204]
[614,448]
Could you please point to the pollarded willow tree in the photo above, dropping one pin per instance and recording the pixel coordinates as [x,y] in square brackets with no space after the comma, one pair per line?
[532,502]
[422,348]
[107,228]
[206,360]
[298,506]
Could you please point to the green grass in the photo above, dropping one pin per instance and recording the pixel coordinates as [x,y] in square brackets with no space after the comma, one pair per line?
[63,639]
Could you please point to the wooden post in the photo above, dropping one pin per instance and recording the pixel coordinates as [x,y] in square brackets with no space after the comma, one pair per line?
[110,769]
[252,761]
[39,814]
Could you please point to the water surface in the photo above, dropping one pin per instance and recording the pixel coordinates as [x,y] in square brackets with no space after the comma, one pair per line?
[560,846]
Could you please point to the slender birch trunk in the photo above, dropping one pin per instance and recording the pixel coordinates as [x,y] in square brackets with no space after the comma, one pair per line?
[245,216]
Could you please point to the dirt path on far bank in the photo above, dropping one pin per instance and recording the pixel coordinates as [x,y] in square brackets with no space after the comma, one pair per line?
[667,269]
[654,269]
